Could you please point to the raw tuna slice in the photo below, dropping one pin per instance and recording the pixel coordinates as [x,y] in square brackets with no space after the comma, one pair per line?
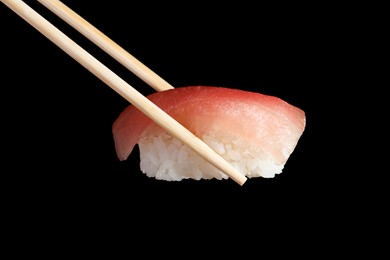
[256,133]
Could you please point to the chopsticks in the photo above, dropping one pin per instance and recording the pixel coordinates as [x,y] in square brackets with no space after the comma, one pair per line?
[122,88]
[105,43]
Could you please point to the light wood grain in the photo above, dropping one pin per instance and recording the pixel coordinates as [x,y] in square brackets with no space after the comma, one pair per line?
[106,44]
[123,88]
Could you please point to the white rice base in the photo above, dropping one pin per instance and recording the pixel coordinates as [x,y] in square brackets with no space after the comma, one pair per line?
[166,158]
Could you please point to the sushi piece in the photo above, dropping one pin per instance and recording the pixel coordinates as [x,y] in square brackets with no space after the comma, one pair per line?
[256,133]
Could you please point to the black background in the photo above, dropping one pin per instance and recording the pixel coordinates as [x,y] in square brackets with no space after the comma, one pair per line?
[57,116]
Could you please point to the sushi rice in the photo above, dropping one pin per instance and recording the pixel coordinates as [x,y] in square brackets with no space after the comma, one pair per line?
[164,157]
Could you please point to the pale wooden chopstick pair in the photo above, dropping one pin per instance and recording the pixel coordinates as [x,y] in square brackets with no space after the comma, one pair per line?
[114,81]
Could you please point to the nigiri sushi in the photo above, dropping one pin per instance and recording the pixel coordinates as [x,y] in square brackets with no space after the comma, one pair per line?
[256,133]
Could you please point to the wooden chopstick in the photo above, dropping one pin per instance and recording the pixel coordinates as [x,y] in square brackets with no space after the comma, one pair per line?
[105,43]
[123,88]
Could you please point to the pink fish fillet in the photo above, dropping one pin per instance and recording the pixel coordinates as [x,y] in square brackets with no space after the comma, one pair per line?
[255,132]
